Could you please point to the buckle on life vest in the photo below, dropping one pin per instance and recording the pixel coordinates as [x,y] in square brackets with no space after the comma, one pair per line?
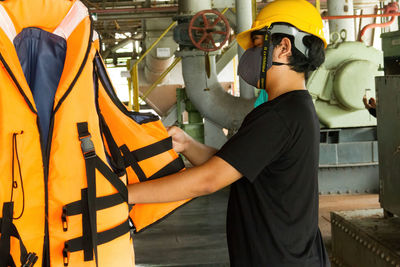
[64,219]
[65,255]
[31,259]
[87,146]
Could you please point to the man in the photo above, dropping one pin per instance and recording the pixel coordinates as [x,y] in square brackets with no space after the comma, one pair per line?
[272,161]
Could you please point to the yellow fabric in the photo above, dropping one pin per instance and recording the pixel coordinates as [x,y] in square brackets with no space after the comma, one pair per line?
[299,13]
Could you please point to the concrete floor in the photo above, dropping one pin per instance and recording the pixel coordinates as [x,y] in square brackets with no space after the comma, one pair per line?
[195,234]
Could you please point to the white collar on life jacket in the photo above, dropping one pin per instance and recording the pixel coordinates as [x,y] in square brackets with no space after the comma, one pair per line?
[75,15]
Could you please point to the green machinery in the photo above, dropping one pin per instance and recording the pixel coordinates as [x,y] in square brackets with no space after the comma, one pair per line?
[340,83]
[348,149]
[194,126]
[372,237]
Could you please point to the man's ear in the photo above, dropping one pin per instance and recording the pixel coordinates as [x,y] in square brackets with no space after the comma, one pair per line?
[285,49]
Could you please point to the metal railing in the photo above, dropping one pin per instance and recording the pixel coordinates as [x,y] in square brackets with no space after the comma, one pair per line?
[134,94]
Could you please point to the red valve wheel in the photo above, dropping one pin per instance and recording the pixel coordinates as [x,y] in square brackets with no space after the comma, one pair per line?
[209,30]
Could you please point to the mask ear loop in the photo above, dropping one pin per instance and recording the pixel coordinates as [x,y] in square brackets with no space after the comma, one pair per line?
[266,61]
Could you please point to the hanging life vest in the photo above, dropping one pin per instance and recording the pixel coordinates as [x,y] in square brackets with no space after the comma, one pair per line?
[68,145]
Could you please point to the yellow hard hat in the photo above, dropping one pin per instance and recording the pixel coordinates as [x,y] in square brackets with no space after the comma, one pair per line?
[299,13]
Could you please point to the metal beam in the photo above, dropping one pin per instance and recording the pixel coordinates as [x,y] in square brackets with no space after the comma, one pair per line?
[125,17]
[135,10]
[114,48]
[120,55]
[226,57]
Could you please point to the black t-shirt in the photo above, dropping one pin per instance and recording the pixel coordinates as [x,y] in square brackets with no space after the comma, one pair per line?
[273,210]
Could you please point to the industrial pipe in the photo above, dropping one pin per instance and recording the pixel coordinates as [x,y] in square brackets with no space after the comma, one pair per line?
[362,16]
[340,8]
[244,19]
[391,8]
[208,96]
[191,7]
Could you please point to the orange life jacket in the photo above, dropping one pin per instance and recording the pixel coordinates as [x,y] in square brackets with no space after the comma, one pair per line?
[67,153]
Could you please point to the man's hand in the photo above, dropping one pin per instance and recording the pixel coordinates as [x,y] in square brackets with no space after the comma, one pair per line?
[180,139]
[197,153]
[371,103]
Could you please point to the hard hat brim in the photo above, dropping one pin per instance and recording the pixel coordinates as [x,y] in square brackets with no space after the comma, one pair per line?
[244,38]
[245,41]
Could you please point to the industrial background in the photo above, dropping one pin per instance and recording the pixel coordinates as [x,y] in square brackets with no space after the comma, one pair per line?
[179,59]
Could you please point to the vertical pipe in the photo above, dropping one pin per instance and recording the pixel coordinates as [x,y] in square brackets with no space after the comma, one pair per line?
[130,102]
[234,77]
[191,7]
[180,98]
[135,82]
[254,9]
[337,8]
[244,20]
[130,99]
[318,5]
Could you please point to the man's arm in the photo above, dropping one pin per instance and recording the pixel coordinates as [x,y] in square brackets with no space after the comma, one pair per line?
[196,152]
[205,179]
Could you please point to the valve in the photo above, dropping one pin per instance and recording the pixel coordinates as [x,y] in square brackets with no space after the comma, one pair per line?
[209,30]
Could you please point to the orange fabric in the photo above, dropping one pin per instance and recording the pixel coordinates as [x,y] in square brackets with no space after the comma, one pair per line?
[43,14]
[135,136]
[67,171]
[77,45]
[74,102]
[80,106]
[10,56]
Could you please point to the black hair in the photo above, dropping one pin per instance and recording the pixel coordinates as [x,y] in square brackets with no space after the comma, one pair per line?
[298,61]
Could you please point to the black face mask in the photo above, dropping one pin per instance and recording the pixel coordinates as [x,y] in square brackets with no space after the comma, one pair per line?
[252,64]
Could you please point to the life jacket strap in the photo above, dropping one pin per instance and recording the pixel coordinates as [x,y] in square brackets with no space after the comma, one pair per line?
[133,163]
[90,203]
[9,230]
[117,160]
[174,166]
[131,159]
[75,208]
[77,244]
[89,218]
[152,150]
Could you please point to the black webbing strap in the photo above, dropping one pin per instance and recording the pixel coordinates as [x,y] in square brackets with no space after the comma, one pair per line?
[8,229]
[89,203]
[266,61]
[89,222]
[6,225]
[77,244]
[173,167]
[152,150]
[87,230]
[112,178]
[131,158]
[113,147]
[105,202]
[131,161]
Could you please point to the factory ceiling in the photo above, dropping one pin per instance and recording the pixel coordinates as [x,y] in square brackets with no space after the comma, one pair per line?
[119,21]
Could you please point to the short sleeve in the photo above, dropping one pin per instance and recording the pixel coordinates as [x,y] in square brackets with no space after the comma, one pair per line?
[260,140]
